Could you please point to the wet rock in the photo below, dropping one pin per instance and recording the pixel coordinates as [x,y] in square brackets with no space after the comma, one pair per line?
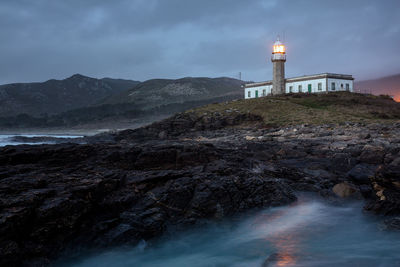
[177,171]
[344,190]
[386,185]
[372,154]
[162,135]
[366,191]
[365,136]
[392,224]
[361,173]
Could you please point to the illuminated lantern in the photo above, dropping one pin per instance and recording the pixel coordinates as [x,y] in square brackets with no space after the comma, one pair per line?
[278,48]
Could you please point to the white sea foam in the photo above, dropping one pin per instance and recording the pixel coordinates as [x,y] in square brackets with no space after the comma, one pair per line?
[7,139]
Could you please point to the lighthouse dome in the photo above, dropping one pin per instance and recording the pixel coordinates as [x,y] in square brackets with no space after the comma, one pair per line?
[279,47]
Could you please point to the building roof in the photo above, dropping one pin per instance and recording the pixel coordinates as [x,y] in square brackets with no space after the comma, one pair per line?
[305,78]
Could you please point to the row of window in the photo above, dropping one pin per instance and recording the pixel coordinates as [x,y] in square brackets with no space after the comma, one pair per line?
[264,93]
[300,89]
[333,86]
[319,86]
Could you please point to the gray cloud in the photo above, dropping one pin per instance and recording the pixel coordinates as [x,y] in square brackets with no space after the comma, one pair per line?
[144,39]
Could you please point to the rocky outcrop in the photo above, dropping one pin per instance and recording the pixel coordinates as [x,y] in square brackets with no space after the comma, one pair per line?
[58,197]
[138,183]
[386,185]
[184,123]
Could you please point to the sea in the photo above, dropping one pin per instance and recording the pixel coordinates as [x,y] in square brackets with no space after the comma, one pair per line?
[6,139]
[309,232]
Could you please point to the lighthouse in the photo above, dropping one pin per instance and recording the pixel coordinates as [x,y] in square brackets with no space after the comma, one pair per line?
[279,85]
[278,60]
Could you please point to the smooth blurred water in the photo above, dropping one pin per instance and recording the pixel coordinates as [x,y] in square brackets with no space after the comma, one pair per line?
[307,233]
[7,139]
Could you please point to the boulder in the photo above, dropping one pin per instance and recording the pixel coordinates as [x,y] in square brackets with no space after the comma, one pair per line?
[344,190]
[361,173]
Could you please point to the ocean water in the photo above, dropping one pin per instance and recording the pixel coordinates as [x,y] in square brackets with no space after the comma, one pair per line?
[7,139]
[307,233]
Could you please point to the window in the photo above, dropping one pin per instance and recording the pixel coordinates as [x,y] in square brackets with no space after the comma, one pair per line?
[347,87]
[319,86]
[290,89]
[300,88]
[264,92]
[249,94]
[341,86]
[333,86]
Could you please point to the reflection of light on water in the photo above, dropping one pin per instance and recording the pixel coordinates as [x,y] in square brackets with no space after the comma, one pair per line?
[287,246]
[282,230]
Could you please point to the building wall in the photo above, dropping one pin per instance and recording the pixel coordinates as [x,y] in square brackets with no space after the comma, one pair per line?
[304,86]
[265,90]
[259,89]
[338,85]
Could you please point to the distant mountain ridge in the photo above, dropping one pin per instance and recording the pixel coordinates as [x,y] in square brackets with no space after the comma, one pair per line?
[80,100]
[79,92]
[157,92]
[55,96]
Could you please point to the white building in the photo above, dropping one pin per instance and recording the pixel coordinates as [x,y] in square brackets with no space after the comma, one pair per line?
[318,83]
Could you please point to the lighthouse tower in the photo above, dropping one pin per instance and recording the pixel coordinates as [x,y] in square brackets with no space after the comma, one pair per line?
[278,60]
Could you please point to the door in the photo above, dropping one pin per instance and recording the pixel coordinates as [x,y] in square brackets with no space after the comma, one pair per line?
[256,93]
[309,88]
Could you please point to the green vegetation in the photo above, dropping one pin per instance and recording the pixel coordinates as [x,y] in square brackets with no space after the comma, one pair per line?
[81,100]
[156,92]
[109,113]
[284,110]
[315,109]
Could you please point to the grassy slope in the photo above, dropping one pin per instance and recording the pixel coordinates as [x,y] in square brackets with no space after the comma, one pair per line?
[159,92]
[316,109]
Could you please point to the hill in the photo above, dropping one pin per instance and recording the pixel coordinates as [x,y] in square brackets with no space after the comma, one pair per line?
[157,92]
[55,96]
[143,103]
[316,109]
[389,85]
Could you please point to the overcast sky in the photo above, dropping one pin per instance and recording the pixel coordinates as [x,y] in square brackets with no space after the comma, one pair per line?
[145,39]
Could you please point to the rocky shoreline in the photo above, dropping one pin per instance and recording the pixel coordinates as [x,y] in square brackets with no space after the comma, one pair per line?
[134,184]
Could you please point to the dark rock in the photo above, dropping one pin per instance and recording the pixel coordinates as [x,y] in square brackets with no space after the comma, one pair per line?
[366,191]
[372,155]
[392,224]
[342,162]
[386,184]
[361,173]
[365,136]
[175,172]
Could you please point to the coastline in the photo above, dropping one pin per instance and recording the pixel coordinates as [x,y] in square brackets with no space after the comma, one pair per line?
[181,170]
